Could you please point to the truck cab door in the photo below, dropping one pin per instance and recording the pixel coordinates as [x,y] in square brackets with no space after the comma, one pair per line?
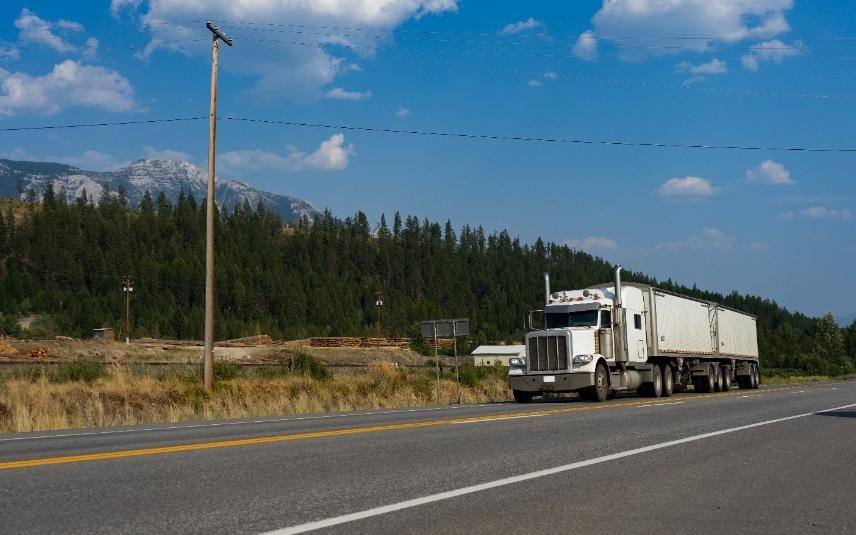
[637,337]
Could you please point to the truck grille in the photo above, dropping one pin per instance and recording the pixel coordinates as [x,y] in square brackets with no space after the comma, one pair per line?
[548,353]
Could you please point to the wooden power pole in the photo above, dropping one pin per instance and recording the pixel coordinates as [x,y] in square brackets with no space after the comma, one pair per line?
[208,373]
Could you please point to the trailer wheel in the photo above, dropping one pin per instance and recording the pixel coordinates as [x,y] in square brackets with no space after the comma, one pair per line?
[717,381]
[668,381]
[725,383]
[756,377]
[704,383]
[521,396]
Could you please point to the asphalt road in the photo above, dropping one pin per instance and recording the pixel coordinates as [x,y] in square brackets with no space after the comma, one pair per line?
[775,460]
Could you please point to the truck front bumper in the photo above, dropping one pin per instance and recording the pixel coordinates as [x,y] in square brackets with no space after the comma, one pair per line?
[561,382]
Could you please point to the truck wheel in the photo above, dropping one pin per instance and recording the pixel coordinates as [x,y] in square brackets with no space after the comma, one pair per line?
[521,396]
[717,381]
[756,377]
[600,390]
[656,388]
[725,383]
[668,380]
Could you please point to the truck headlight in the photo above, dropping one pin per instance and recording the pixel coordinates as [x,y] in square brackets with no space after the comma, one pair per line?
[517,362]
[583,359]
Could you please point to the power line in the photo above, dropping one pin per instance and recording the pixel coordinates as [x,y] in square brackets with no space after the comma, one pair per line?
[372,49]
[92,125]
[544,44]
[499,137]
[459,135]
[493,34]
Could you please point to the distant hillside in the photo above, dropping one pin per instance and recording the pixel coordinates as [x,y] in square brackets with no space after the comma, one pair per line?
[168,176]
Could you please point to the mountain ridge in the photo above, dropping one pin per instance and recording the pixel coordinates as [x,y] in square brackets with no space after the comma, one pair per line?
[168,176]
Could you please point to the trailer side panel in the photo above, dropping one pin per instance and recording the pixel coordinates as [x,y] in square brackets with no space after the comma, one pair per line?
[683,325]
[737,333]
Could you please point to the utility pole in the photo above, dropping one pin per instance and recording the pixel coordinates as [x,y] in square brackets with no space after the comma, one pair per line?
[127,287]
[208,373]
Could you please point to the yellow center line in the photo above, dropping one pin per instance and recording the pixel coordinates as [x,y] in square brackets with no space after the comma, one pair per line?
[29,463]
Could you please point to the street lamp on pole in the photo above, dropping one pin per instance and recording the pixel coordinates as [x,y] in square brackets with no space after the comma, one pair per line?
[127,287]
[379,307]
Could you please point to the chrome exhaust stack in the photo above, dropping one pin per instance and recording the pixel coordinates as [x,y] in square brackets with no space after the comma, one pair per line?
[619,324]
[546,288]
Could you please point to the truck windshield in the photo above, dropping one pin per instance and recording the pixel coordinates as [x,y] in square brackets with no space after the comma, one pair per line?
[580,318]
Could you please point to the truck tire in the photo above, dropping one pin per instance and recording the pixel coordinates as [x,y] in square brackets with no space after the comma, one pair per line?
[521,396]
[756,377]
[717,381]
[600,390]
[655,390]
[725,383]
[704,383]
[668,381]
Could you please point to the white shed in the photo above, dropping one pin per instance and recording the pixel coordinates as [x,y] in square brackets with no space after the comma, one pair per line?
[497,355]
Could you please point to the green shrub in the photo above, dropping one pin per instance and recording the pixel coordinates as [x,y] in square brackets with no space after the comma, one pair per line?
[225,371]
[303,363]
[473,375]
[77,370]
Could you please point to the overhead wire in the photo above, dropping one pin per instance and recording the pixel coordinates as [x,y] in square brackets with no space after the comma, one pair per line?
[556,140]
[457,135]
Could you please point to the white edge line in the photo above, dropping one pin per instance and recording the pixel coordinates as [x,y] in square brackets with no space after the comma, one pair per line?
[407,504]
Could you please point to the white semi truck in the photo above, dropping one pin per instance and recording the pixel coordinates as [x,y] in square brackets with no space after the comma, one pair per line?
[621,337]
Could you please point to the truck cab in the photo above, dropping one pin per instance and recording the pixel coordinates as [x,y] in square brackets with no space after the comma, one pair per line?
[579,333]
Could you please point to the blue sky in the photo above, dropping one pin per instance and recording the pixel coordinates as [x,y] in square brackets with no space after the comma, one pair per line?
[741,72]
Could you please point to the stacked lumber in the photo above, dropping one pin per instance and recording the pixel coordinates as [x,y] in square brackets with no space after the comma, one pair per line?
[441,343]
[334,341]
[249,341]
[38,353]
[5,346]
[351,341]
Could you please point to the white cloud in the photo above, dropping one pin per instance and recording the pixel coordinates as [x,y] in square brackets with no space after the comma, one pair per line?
[117,6]
[33,29]
[551,75]
[295,73]
[722,20]
[534,83]
[592,243]
[714,66]
[332,154]
[788,216]
[586,46]
[91,48]
[821,212]
[770,172]
[690,187]
[69,84]
[710,239]
[10,53]
[521,26]
[337,93]
[775,51]
[152,153]
[69,25]
[402,112]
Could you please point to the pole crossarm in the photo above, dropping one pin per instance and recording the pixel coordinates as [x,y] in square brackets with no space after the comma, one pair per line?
[218,34]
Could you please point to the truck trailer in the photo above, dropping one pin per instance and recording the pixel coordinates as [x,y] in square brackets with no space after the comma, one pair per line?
[616,337]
